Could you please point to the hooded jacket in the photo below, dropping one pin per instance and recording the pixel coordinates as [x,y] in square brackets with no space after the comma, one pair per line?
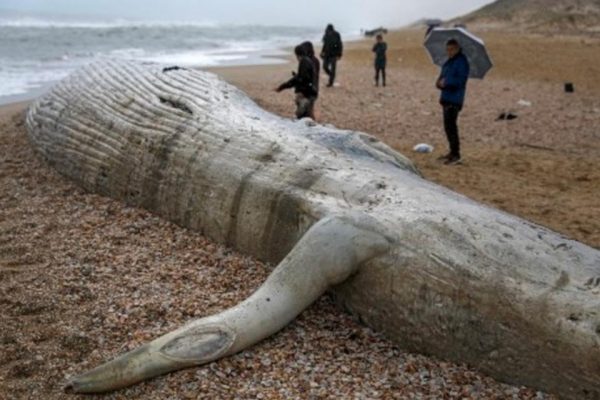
[310,53]
[304,79]
[332,44]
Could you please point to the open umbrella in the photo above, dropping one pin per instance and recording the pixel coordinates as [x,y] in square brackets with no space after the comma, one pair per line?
[472,47]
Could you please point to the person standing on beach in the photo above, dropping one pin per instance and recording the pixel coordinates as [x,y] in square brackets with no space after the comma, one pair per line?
[380,48]
[331,52]
[304,82]
[453,85]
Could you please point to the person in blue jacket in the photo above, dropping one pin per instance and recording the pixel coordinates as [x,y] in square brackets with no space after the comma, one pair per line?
[453,84]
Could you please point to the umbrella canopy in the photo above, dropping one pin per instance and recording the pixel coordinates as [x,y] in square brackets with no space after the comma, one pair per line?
[472,47]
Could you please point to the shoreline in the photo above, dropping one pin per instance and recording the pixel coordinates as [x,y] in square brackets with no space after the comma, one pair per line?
[264,61]
[255,58]
[407,52]
[224,71]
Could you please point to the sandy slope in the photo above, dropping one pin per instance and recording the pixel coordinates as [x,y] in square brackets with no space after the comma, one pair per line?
[557,16]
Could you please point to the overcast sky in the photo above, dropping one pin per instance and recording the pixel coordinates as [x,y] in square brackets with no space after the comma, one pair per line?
[346,14]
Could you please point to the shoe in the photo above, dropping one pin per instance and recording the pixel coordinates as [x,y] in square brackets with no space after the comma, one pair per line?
[444,158]
[453,160]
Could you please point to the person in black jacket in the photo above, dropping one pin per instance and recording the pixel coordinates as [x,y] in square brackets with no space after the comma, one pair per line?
[303,83]
[380,49]
[331,52]
[309,50]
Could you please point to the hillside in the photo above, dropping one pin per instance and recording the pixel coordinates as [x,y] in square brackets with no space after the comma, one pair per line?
[562,16]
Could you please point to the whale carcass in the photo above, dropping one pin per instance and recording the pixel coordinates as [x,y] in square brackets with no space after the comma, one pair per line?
[336,210]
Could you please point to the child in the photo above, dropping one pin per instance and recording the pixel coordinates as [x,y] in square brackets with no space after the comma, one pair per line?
[310,53]
[380,59]
[304,82]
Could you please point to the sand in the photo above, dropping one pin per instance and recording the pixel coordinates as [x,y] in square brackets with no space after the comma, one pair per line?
[540,166]
[83,278]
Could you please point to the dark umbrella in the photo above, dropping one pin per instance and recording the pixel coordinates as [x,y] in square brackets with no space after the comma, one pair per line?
[472,47]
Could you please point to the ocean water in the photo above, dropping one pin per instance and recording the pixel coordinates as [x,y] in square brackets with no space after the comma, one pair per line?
[35,52]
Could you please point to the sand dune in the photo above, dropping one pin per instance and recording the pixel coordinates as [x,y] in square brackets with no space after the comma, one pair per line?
[560,16]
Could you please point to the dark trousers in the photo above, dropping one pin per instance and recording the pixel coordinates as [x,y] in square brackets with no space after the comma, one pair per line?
[379,70]
[451,112]
[305,106]
[329,66]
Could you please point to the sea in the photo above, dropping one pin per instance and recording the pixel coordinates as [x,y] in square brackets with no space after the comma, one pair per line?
[36,52]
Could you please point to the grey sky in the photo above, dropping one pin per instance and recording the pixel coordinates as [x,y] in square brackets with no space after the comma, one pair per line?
[346,14]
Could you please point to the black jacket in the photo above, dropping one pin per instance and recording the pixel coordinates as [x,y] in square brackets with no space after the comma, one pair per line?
[304,80]
[309,51]
[380,58]
[317,72]
[332,45]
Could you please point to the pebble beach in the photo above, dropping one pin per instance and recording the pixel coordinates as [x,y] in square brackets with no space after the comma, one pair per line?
[84,278]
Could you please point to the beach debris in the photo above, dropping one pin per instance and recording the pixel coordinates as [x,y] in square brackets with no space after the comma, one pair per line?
[506,116]
[569,87]
[524,103]
[423,148]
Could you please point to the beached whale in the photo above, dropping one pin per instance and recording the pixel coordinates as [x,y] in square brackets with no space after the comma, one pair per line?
[436,272]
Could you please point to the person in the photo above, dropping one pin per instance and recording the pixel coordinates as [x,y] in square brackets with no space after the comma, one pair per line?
[452,83]
[309,51]
[303,82]
[380,49]
[331,52]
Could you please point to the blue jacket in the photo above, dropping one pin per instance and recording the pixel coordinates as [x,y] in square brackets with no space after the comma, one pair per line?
[455,73]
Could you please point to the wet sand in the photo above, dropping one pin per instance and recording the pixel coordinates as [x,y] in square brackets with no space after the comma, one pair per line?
[83,278]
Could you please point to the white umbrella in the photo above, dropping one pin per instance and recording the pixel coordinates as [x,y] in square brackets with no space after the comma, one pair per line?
[472,47]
